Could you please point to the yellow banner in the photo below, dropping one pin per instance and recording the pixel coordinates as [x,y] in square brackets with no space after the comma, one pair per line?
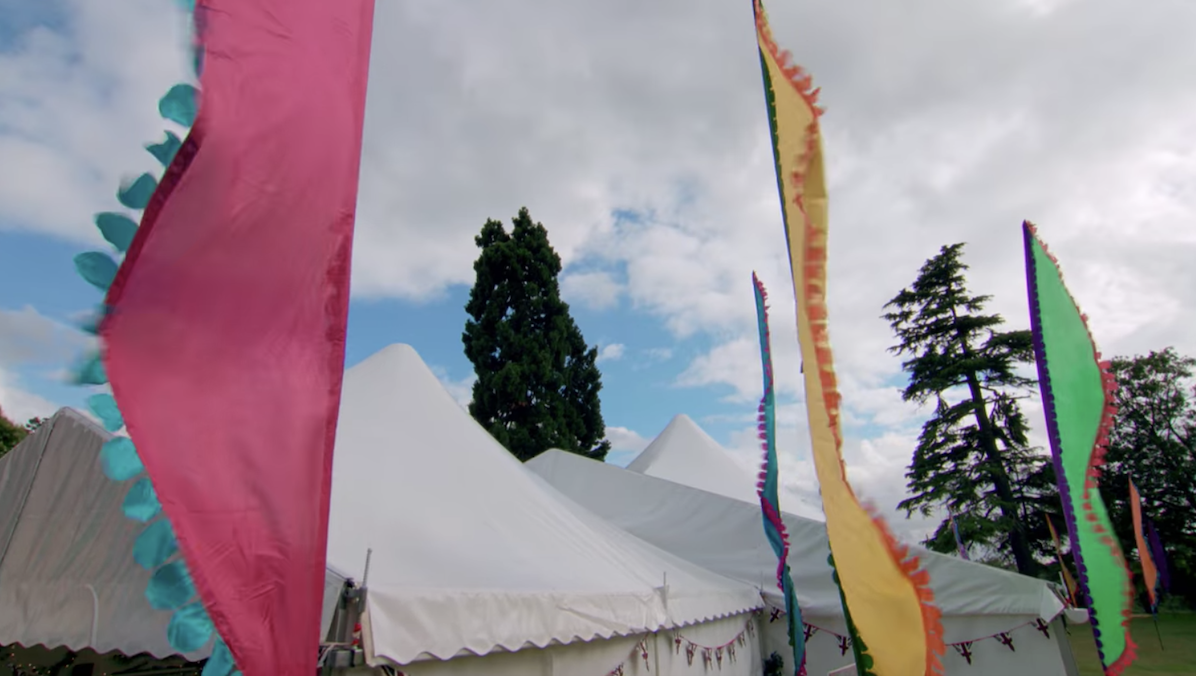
[887,595]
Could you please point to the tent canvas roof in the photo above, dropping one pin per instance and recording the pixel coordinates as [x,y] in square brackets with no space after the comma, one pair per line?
[67,575]
[684,453]
[471,551]
[726,536]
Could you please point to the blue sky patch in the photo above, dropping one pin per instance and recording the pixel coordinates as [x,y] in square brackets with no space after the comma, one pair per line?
[22,16]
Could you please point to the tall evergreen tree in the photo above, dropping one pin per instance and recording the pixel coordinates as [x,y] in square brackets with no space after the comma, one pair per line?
[538,381]
[973,456]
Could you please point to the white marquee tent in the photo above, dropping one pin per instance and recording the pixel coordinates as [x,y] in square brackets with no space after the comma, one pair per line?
[683,453]
[726,535]
[474,553]
[478,566]
[67,576]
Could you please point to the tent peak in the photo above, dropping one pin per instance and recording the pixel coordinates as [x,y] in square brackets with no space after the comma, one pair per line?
[397,352]
[682,437]
[684,453]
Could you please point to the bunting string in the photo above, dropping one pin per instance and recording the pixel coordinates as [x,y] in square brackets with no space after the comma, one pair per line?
[715,656]
[962,647]
[710,656]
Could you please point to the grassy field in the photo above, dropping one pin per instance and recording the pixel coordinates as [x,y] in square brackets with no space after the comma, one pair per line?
[1177,655]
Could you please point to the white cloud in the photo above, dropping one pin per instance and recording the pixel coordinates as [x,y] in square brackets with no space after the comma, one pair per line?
[77,110]
[876,468]
[623,440]
[659,353]
[29,338]
[612,352]
[651,357]
[594,290]
[18,404]
[460,389]
[949,122]
[737,363]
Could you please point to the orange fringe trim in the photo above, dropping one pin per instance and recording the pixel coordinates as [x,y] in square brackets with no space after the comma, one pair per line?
[1095,462]
[932,617]
[813,293]
[794,73]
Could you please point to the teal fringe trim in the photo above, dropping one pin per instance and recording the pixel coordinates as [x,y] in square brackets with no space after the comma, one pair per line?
[155,545]
[190,628]
[165,151]
[117,229]
[170,587]
[221,661]
[119,459]
[180,105]
[136,195]
[97,269]
[141,502]
[89,371]
[104,408]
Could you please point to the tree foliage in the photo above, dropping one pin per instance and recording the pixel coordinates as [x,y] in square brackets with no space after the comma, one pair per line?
[11,434]
[1153,441]
[973,456]
[537,381]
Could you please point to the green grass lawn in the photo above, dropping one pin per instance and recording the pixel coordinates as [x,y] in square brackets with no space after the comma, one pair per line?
[1176,656]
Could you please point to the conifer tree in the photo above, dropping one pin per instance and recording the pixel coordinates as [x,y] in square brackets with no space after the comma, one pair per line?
[973,456]
[537,381]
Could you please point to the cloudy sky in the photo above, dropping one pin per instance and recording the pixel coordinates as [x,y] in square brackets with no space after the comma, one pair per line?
[636,133]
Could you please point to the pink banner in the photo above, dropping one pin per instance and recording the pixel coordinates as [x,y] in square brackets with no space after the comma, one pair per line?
[225,341]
